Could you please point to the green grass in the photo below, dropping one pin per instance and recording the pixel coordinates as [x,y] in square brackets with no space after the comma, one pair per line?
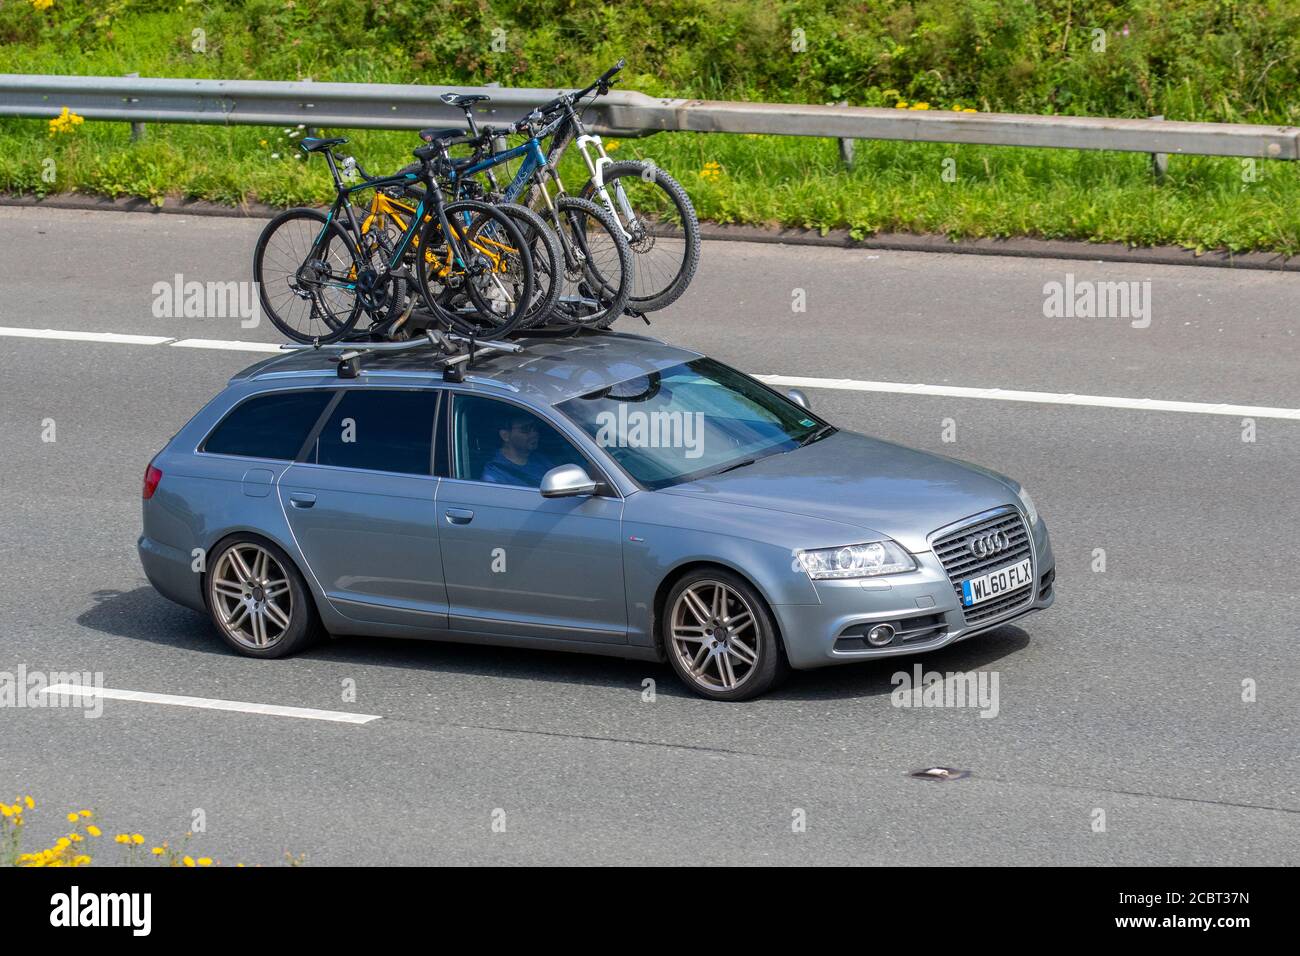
[1191,59]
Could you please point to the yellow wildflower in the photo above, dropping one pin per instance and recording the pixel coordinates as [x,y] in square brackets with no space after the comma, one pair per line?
[901,105]
[94,830]
[205,861]
[157,851]
[42,4]
[188,861]
[137,839]
[86,813]
[72,818]
[121,838]
[920,106]
[31,804]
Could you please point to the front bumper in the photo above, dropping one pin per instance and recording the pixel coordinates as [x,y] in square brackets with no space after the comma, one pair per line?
[922,602]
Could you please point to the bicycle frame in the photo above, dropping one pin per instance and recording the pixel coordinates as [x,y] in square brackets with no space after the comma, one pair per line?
[573,131]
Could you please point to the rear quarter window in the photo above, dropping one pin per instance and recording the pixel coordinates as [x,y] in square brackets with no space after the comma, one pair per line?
[268,426]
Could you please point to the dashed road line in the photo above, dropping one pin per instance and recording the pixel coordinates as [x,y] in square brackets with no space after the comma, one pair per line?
[211,703]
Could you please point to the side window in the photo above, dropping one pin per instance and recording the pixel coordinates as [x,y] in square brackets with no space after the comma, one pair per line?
[269,426]
[504,444]
[380,430]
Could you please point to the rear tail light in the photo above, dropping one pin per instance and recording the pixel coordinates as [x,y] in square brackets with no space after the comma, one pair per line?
[151,478]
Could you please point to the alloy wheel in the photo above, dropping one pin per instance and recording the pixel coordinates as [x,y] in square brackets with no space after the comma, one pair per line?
[251,596]
[714,634]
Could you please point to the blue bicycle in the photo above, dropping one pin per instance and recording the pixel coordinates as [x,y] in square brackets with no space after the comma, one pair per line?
[595,270]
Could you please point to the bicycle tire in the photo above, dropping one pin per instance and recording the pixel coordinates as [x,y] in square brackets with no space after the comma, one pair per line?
[274,301]
[650,291]
[592,294]
[460,303]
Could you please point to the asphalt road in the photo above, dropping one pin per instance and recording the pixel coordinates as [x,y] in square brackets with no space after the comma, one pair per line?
[1125,697]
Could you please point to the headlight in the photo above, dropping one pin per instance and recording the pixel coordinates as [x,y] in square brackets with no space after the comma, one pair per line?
[1030,511]
[856,561]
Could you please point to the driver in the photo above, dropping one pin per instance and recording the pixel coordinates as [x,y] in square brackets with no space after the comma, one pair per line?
[517,461]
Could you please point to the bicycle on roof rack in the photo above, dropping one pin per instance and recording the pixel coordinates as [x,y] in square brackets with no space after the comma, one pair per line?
[649,207]
[594,261]
[317,272]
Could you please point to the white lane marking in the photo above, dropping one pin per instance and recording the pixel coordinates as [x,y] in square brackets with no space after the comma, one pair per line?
[117,337]
[787,381]
[232,346]
[1042,398]
[211,703]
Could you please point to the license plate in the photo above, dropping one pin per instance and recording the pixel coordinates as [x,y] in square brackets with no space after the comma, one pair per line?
[988,586]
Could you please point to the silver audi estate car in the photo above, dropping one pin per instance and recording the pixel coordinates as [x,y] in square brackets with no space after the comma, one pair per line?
[605,493]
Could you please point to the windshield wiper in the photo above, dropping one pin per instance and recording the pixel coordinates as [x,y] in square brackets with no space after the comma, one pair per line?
[733,466]
[817,435]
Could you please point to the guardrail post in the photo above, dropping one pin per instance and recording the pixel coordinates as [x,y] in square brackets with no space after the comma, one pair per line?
[846,147]
[1159,161]
[137,129]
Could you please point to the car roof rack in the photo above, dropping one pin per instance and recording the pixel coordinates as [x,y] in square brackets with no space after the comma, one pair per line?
[452,352]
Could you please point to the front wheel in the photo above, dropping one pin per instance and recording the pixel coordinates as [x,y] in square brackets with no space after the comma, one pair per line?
[597,279]
[481,281]
[660,225]
[720,636]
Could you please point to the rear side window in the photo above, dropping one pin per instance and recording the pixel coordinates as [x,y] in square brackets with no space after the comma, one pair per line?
[269,426]
[380,430]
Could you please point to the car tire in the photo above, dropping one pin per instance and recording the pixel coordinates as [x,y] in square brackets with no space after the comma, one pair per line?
[720,637]
[258,600]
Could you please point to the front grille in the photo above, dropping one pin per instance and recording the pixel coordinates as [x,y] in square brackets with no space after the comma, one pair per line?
[954,554]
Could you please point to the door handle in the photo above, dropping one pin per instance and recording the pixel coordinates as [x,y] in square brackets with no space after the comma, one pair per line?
[460,515]
[302,500]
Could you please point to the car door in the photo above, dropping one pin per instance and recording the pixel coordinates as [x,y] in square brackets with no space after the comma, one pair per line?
[361,503]
[515,563]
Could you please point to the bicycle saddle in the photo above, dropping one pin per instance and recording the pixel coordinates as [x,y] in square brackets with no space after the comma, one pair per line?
[464,100]
[314,144]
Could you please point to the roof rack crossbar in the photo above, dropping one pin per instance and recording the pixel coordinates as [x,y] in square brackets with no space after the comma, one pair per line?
[451,351]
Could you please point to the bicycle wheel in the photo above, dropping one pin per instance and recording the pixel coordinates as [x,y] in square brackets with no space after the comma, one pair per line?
[488,288]
[306,268]
[597,265]
[548,262]
[645,200]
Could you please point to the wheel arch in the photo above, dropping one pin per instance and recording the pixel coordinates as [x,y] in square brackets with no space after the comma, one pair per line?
[686,567]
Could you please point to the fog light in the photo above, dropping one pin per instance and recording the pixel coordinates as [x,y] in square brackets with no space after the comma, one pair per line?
[880,635]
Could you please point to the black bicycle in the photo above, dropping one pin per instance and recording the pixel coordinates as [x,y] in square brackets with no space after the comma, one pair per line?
[317,272]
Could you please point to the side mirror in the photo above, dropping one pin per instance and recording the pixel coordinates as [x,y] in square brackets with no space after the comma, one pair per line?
[799,398]
[567,481]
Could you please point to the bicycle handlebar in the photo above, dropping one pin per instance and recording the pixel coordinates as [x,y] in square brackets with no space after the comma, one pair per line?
[602,84]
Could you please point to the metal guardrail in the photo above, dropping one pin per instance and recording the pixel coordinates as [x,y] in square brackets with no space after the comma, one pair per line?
[622,112]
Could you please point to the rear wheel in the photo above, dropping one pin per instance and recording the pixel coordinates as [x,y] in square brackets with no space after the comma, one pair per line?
[720,636]
[306,268]
[258,600]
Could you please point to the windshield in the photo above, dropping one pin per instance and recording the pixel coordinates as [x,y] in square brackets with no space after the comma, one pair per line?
[692,420]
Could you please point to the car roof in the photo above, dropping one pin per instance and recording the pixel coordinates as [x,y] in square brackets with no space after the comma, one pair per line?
[550,369]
